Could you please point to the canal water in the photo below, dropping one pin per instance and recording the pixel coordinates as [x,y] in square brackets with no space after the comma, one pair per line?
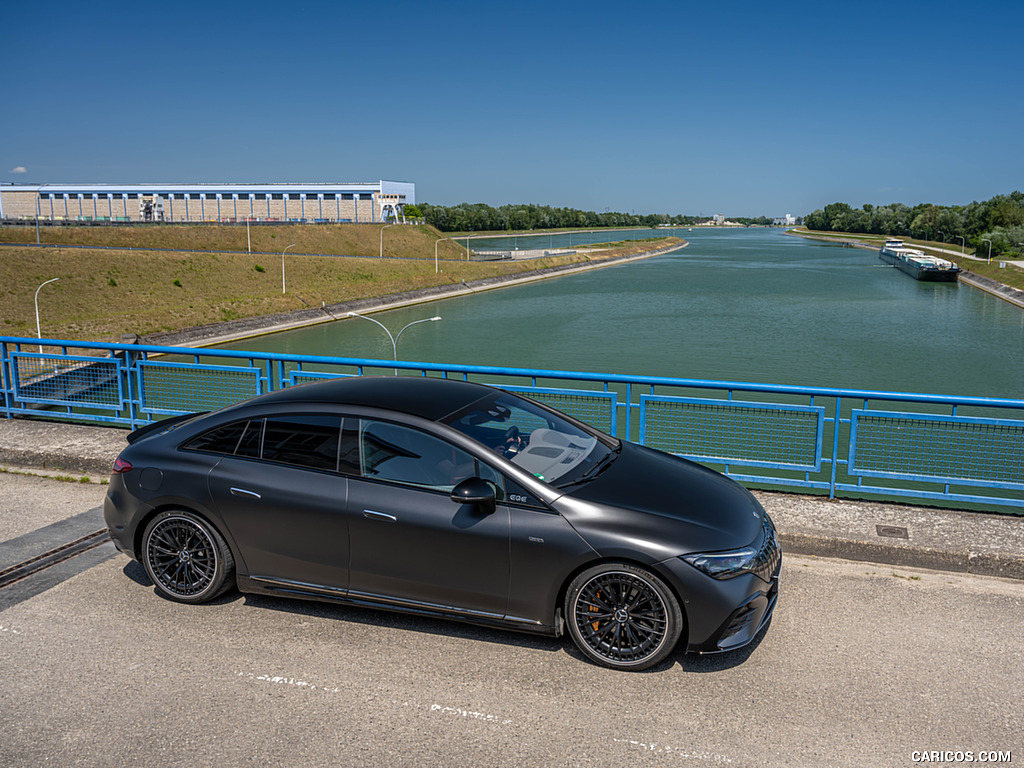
[751,305]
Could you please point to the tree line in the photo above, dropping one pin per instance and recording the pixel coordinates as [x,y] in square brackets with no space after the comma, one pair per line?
[999,221]
[480,217]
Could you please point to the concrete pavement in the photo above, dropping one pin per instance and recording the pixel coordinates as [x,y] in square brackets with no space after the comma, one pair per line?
[895,534]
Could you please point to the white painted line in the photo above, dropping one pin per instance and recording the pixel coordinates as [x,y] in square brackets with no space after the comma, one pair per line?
[299,683]
[667,749]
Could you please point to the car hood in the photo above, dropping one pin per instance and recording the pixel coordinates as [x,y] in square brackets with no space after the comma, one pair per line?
[663,505]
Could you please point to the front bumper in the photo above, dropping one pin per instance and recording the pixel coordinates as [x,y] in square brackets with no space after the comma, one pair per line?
[723,614]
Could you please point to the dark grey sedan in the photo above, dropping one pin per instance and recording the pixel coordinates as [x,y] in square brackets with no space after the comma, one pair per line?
[453,499]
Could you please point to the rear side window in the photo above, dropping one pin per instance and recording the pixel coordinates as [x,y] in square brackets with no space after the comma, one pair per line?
[249,445]
[305,441]
[220,440]
[302,440]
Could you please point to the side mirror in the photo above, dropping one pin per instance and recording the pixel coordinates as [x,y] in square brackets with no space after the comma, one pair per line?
[474,490]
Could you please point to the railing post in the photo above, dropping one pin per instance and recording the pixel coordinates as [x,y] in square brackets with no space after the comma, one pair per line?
[627,427]
[835,447]
[130,390]
[5,374]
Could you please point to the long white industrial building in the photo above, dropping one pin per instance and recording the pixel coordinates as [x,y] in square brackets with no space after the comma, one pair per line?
[314,202]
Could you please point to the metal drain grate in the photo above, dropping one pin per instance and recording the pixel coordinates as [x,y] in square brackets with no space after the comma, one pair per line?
[892,531]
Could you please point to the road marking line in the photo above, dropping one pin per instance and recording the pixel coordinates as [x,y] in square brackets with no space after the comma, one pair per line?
[666,749]
[441,709]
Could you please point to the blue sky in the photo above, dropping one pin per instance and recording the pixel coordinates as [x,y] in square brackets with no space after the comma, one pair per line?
[739,108]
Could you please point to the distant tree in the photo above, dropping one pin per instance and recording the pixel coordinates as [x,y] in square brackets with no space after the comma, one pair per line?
[994,218]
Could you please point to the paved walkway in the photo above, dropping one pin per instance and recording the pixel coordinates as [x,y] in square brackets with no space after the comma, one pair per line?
[895,534]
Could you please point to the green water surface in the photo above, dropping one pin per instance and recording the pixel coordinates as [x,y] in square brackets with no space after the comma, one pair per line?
[750,305]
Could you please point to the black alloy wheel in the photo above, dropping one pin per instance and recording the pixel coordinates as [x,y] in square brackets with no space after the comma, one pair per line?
[622,616]
[186,557]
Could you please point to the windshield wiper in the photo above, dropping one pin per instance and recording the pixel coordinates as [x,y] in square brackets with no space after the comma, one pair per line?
[594,471]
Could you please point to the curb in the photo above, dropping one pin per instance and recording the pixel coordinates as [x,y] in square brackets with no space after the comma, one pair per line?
[975,563]
[57,462]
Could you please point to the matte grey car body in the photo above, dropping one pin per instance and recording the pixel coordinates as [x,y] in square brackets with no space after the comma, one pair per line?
[453,499]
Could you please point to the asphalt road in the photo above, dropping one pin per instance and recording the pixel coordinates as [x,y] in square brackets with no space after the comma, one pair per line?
[862,666]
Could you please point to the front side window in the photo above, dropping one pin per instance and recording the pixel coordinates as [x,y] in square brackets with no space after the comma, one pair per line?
[401,454]
[535,438]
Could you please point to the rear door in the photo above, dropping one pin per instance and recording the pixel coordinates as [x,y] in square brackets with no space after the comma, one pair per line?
[283,500]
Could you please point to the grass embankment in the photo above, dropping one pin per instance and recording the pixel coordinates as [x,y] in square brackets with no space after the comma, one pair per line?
[405,241]
[1011,274]
[106,292]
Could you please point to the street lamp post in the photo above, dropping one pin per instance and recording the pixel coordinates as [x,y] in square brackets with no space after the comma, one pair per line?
[382,239]
[436,243]
[963,242]
[39,333]
[986,240]
[282,265]
[943,234]
[394,339]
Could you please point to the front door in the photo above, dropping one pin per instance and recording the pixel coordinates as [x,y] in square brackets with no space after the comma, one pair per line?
[411,543]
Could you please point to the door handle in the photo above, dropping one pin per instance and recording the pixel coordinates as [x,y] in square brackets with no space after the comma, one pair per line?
[244,492]
[370,514]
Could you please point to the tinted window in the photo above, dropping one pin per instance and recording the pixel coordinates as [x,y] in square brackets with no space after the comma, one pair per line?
[306,441]
[405,455]
[249,445]
[220,440]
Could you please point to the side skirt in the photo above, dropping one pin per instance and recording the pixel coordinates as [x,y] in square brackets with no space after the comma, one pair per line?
[258,585]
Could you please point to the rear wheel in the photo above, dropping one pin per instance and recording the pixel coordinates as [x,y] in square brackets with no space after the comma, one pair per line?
[622,616]
[186,557]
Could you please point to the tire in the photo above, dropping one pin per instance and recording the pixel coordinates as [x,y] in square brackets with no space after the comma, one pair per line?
[622,616]
[186,557]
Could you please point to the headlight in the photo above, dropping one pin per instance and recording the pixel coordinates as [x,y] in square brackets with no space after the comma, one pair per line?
[724,565]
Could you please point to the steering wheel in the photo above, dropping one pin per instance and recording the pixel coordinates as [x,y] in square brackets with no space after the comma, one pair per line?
[514,442]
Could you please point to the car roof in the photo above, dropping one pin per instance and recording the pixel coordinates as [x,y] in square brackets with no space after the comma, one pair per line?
[428,398]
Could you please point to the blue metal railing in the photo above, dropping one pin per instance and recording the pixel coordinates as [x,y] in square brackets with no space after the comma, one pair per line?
[947,449]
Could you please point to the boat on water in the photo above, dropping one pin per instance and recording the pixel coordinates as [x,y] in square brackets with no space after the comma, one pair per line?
[918,264]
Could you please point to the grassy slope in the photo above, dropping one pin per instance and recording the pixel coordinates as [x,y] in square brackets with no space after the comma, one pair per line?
[104,293]
[409,242]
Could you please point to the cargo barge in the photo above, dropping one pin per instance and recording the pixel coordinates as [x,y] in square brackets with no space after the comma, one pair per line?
[918,264]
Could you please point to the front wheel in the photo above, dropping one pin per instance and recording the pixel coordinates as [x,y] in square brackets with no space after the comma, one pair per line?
[622,616]
[186,557]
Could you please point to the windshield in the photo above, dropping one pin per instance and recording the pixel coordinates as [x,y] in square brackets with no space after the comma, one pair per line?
[533,437]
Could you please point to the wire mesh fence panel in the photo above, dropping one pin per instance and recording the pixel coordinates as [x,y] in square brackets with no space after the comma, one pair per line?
[307,377]
[942,448]
[173,388]
[733,432]
[67,380]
